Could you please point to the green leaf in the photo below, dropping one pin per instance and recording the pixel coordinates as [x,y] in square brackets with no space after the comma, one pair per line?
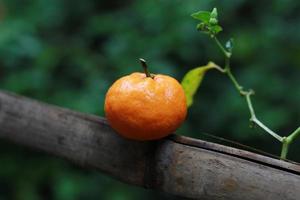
[192,81]
[202,16]
[216,29]
[209,22]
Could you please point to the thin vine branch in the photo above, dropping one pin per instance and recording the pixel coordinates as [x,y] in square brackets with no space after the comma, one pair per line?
[244,93]
[287,141]
[209,25]
[285,148]
[254,119]
[226,53]
[294,134]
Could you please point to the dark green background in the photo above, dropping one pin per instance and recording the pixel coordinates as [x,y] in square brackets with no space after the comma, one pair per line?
[68,52]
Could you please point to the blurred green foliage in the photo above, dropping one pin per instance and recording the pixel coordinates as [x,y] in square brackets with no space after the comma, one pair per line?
[68,52]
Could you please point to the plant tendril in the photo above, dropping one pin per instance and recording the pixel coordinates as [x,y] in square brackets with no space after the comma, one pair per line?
[247,94]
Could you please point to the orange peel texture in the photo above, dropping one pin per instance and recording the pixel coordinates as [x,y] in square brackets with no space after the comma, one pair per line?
[145,108]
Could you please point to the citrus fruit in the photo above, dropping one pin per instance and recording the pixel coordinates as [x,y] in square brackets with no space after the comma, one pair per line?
[144,106]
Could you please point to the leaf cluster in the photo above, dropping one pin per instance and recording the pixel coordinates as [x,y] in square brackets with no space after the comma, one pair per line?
[209,22]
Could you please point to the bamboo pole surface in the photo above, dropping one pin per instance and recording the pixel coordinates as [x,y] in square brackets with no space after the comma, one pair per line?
[178,165]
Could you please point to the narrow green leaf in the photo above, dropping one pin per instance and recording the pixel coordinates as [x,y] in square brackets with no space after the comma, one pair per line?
[192,80]
[202,16]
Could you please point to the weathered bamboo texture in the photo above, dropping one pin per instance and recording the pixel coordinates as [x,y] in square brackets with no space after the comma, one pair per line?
[178,165]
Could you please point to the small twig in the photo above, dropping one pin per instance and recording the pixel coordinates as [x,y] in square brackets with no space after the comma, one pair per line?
[226,53]
[217,67]
[254,119]
[247,94]
[293,135]
[234,81]
[287,141]
[285,148]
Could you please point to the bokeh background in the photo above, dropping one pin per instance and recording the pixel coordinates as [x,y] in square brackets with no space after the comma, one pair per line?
[68,52]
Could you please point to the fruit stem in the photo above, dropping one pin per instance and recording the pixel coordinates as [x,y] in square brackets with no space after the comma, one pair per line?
[144,65]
